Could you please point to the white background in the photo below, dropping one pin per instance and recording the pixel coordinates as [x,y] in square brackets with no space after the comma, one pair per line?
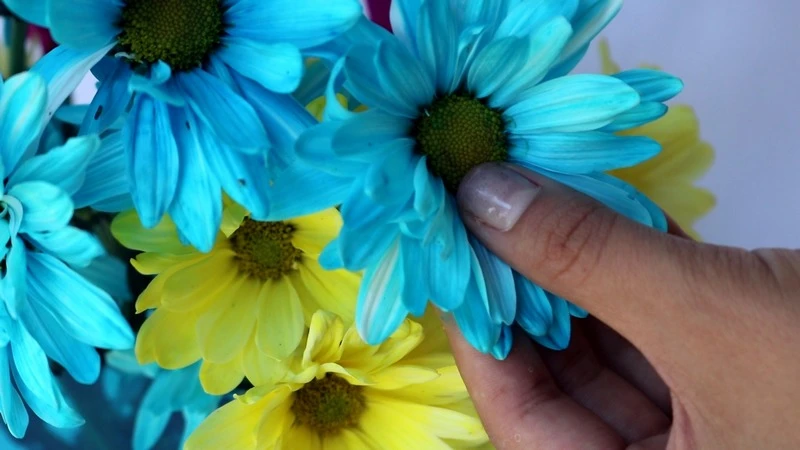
[740,61]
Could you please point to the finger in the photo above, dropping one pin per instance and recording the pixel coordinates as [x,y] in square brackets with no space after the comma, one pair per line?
[641,282]
[626,360]
[520,404]
[580,375]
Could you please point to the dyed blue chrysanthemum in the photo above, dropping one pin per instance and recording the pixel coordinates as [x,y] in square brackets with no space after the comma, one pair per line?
[48,310]
[181,73]
[152,396]
[464,83]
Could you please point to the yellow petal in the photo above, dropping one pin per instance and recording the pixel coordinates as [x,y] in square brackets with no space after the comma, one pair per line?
[395,430]
[435,341]
[350,439]
[608,64]
[162,238]
[448,388]
[219,379]
[300,437]
[400,376]
[277,421]
[325,335]
[315,231]
[155,263]
[234,426]
[168,339]
[195,284]
[334,291]
[260,368]
[232,217]
[233,324]
[280,319]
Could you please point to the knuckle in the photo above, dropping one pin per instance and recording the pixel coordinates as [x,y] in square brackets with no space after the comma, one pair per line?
[575,238]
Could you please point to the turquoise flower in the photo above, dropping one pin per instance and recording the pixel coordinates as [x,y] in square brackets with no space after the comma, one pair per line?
[157,396]
[464,83]
[48,310]
[179,74]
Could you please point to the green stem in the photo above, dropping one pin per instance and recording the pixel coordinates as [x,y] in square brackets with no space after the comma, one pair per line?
[18,56]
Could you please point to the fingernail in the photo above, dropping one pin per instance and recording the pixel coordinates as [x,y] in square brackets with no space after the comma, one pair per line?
[496,195]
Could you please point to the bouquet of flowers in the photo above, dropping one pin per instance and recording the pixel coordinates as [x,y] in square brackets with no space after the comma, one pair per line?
[252,223]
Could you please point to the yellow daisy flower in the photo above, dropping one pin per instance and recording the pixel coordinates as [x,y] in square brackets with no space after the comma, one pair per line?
[241,306]
[668,179]
[340,393]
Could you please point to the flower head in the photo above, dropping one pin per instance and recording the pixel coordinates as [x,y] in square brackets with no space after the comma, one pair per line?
[176,74]
[465,83]
[241,305]
[47,308]
[339,392]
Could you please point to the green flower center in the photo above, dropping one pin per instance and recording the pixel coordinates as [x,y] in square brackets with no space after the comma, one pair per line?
[329,404]
[457,133]
[264,250]
[182,33]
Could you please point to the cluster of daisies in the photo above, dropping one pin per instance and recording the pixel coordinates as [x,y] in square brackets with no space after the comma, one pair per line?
[281,174]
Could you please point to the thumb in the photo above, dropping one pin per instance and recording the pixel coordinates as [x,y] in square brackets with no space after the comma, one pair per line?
[639,281]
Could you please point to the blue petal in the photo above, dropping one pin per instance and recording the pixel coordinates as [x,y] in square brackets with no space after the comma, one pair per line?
[658,219]
[588,24]
[64,167]
[84,24]
[577,311]
[391,181]
[13,410]
[534,311]
[64,68]
[303,189]
[151,421]
[242,177]
[380,309]
[47,207]
[503,346]
[197,206]
[69,244]
[570,104]
[437,44]
[499,284]
[498,63]
[314,81]
[157,82]
[231,117]
[32,366]
[526,17]
[304,24]
[374,87]
[362,136]
[105,174]
[315,148]
[652,85]
[33,12]
[14,285]
[544,47]
[95,320]
[109,274]
[558,335]
[111,100]
[22,118]
[429,190]
[277,67]
[364,31]
[60,416]
[404,15]
[449,258]
[473,318]
[644,113]
[582,152]
[362,247]
[152,159]
[80,360]
[415,291]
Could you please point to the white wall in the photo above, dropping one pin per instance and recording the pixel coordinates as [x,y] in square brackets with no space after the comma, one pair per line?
[740,61]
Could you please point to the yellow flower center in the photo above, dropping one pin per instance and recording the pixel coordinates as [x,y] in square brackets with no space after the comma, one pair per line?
[458,132]
[264,250]
[329,404]
[182,33]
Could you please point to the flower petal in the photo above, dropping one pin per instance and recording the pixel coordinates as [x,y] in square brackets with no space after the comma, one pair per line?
[22,116]
[47,207]
[499,284]
[84,24]
[380,310]
[277,67]
[534,310]
[103,180]
[280,319]
[63,166]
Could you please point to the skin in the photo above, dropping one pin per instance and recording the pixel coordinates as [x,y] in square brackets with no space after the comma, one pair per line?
[689,345]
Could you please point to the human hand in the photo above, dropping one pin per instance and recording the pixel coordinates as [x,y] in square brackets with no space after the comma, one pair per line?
[690,345]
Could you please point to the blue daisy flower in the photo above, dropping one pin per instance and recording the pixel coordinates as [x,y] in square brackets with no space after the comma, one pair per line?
[48,310]
[180,72]
[465,83]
